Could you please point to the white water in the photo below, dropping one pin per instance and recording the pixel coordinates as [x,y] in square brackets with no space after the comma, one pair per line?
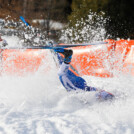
[38,104]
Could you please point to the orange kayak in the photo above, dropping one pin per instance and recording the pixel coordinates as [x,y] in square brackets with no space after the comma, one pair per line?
[105,60]
[102,60]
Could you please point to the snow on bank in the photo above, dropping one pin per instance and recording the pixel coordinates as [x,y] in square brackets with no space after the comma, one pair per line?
[55,25]
[38,104]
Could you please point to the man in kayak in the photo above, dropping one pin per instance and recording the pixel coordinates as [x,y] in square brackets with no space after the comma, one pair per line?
[3,42]
[72,82]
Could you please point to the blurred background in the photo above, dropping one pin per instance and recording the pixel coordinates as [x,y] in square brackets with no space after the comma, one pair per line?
[61,17]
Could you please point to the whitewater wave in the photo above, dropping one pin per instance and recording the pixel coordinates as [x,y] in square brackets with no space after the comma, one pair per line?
[39,104]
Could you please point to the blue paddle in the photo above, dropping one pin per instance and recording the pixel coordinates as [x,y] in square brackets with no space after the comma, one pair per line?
[24,21]
[55,47]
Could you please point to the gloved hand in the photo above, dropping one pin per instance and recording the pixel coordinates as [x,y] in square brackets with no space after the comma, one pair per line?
[103,95]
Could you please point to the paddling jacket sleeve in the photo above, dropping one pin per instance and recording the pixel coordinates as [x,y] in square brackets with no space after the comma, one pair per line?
[70,81]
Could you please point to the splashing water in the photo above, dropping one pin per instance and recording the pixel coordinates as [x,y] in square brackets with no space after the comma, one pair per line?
[39,104]
[91,29]
[27,35]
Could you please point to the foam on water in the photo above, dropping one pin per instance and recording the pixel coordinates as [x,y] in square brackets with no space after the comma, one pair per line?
[39,104]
